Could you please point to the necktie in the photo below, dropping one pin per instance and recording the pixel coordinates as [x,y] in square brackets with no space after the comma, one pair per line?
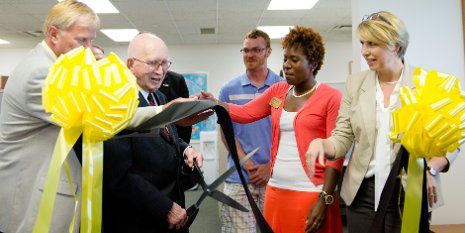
[151,100]
[165,130]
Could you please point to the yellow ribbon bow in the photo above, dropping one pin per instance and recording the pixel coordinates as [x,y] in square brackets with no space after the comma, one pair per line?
[430,123]
[97,99]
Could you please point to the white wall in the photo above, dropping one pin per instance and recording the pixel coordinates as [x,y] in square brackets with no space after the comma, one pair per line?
[222,62]
[436,42]
[9,58]
[435,28]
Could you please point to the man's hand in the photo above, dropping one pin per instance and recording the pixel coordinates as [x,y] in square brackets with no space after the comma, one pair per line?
[249,166]
[190,155]
[177,217]
[195,118]
[431,188]
[259,174]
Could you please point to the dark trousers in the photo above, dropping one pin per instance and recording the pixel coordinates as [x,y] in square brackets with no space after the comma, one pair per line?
[360,213]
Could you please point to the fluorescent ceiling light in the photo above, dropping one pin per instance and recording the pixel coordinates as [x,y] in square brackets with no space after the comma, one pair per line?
[100,6]
[291,4]
[120,35]
[276,32]
[4,41]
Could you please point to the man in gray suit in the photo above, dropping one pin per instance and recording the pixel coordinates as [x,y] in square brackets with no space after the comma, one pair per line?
[27,136]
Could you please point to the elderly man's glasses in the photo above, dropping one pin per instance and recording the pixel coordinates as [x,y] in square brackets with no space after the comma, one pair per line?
[156,64]
[253,50]
[375,16]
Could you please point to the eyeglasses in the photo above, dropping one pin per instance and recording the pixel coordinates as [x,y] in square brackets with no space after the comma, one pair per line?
[156,64]
[376,16]
[253,51]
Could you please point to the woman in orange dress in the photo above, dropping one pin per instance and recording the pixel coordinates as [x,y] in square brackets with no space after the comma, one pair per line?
[301,110]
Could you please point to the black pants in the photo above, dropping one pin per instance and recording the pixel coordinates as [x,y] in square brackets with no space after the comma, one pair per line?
[360,213]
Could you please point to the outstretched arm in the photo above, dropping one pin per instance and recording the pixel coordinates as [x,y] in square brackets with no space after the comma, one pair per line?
[204,95]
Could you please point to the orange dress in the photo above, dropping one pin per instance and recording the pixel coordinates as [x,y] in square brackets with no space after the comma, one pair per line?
[286,211]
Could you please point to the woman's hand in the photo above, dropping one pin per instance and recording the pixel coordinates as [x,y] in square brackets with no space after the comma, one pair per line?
[316,216]
[315,151]
[204,95]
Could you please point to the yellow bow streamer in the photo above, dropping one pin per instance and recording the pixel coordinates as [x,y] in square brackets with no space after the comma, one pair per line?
[430,123]
[97,99]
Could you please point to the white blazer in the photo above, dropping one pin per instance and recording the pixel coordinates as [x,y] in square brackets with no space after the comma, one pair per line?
[357,123]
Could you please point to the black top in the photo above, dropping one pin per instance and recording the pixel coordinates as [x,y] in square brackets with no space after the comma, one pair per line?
[143,176]
[174,86]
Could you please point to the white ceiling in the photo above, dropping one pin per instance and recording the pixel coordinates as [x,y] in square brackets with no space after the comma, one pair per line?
[178,22]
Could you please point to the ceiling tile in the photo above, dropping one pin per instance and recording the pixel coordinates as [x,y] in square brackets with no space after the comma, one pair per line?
[179,21]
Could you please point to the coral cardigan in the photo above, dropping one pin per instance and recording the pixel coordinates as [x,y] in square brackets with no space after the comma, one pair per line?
[316,119]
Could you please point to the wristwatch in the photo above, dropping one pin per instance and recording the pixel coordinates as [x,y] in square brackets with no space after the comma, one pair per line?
[432,171]
[328,198]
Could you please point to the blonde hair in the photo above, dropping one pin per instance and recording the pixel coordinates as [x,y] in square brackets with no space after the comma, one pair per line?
[64,14]
[384,28]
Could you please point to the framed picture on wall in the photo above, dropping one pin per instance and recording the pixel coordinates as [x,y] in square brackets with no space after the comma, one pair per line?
[197,82]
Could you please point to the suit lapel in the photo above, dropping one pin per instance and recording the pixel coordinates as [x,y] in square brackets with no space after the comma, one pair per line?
[142,101]
[368,107]
[368,103]
[161,100]
[407,81]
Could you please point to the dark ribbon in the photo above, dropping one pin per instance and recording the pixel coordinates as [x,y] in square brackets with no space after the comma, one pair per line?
[180,110]
[388,190]
[210,190]
[225,121]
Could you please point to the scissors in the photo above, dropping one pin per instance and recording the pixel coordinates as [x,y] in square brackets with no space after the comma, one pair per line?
[210,190]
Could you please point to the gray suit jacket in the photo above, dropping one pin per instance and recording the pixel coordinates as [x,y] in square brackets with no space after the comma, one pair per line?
[27,140]
[357,123]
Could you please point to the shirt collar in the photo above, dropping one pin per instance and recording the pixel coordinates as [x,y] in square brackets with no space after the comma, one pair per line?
[268,81]
[144,93]
[48,49]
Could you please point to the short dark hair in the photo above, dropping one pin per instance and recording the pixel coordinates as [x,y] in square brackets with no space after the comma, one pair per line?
[311,43]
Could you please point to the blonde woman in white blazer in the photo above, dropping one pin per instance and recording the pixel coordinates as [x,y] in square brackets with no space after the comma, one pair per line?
[364,119]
